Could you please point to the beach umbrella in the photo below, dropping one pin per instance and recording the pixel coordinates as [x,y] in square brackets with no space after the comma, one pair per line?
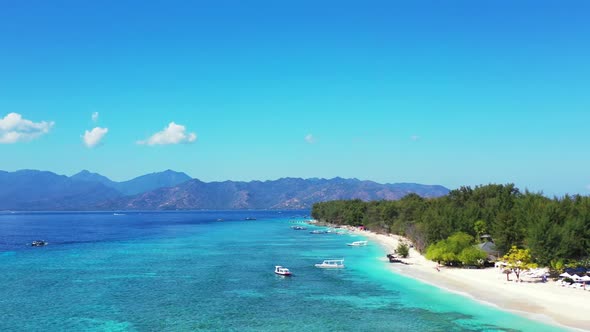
[565,275]
[576,277]
[585,278]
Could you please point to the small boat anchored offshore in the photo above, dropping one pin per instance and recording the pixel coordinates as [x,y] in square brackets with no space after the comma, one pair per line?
[331,264]
[357,244]
[282,271]
[39,243]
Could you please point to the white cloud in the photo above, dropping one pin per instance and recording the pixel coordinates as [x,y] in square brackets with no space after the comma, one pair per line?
[415,138]
[94,116]
[309,138]
[173,134]
[93,137]
[13,129]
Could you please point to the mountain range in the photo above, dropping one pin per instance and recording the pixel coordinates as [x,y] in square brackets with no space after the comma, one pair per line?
[33,190]
[137,185]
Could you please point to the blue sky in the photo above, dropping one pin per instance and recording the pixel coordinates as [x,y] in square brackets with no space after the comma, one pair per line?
[451,93]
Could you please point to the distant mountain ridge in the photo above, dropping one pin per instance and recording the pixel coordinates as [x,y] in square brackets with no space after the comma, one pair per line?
[88,176]
[140,184]
[39,190]
[285,193]
[170,190]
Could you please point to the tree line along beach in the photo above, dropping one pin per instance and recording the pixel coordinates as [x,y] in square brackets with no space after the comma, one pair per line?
[551,230]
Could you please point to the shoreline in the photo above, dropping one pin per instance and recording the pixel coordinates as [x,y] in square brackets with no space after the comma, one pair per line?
[544,302]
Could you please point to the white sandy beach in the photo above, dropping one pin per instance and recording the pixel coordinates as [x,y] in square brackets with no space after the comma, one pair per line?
[546,302]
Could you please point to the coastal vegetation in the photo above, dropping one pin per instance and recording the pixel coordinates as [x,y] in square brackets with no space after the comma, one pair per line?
[403,250]
[556,231]
[518,260]
[457,249]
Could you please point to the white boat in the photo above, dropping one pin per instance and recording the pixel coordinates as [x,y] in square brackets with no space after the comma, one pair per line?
[39,243]
[357,243]
[331,264]
[282,271]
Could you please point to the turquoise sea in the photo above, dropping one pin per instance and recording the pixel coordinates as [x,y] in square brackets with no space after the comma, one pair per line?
[186,271]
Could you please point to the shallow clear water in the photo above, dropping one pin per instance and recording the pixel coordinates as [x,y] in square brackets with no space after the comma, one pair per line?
[184,271]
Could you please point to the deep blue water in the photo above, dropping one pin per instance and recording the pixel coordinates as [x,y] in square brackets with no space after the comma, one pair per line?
[185,271]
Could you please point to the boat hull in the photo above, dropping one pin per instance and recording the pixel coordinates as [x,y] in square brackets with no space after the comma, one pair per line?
[357,244]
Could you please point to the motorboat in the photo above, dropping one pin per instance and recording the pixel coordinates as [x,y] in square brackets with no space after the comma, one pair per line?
[331,264]
[317,231]
[249,218]
[298,228]
[357,244]
[282,271]
[39,243]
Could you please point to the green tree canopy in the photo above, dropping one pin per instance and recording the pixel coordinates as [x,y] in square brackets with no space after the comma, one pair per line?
[480,229]
[554,229]
[458,248]
[472,256]
[403,249]
[519,260]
